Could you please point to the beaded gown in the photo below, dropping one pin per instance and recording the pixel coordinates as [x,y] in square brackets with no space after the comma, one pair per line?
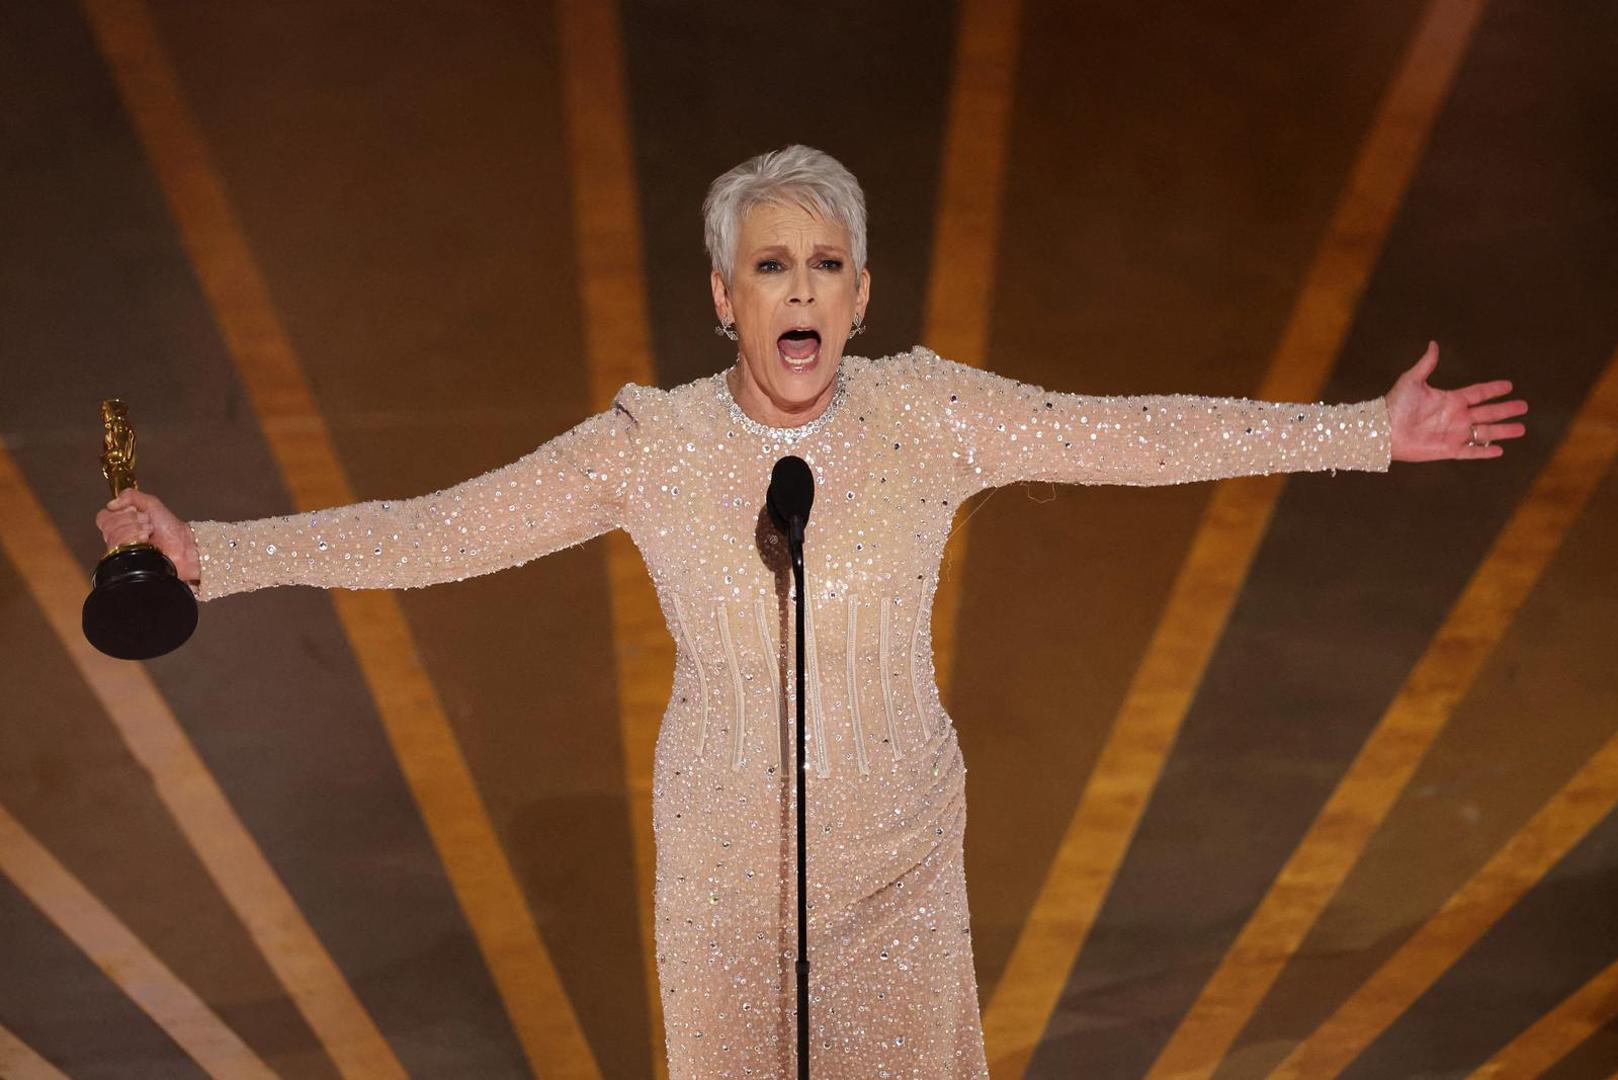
[905,439]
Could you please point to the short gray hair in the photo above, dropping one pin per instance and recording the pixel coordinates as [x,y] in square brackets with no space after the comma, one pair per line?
[793,175]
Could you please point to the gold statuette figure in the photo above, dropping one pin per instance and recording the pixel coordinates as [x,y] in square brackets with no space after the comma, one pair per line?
[138,607]
[117,447]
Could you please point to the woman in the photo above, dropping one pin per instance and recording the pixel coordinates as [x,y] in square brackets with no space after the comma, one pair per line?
[895,444]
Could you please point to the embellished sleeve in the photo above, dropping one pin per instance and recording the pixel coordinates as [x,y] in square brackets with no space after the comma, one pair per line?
[563,493]
[1001,431]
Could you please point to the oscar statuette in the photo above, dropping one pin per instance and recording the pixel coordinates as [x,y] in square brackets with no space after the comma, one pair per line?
[138,607]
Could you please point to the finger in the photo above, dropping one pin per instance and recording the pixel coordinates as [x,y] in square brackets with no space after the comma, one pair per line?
[1424,367]
[131,497]
[111,519]
[1474,453]
[126,534]
[1483,391]
[1496,432]
[1501,410]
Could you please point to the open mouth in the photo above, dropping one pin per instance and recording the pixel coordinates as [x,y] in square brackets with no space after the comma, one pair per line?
[799,347]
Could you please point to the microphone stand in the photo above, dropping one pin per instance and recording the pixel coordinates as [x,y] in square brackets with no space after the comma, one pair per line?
[795,547]
[790,497]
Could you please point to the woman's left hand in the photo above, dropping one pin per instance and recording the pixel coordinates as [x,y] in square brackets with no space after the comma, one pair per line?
[1428,424]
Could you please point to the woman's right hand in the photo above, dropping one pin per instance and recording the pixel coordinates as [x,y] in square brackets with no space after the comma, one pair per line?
[136,517]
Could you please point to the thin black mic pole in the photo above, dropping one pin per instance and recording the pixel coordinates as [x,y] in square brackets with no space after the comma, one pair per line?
[803,906]
[791,494]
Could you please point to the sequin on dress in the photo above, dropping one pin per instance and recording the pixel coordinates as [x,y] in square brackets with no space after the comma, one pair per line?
[684,471]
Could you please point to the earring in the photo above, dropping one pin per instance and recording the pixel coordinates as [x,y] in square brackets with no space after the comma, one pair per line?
[726,329]
[859,326]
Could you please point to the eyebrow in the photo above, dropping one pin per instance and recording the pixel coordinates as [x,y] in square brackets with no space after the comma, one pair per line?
[781,249]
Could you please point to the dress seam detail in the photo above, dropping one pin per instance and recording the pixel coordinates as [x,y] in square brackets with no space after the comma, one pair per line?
[812,677]
[767,643]
[702,676]
[854,687]
[915,661]
[885,661]
[736,681]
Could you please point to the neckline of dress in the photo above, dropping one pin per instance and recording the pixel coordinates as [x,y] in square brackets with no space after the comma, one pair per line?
[786,435]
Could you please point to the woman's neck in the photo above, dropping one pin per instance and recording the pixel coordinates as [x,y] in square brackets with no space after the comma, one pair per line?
[761,408]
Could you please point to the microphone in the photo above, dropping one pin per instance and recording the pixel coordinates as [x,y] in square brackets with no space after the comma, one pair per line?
[791,494]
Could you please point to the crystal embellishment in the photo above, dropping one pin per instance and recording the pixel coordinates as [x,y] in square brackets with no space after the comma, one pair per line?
[784,435]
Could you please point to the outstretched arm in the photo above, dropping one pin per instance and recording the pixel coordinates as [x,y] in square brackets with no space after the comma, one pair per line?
[563,493]
[997,431]
[1000,431]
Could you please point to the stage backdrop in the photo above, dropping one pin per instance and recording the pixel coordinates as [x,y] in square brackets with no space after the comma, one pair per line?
[1310,775]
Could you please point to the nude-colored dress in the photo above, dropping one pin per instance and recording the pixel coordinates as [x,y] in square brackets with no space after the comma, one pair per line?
[906,439]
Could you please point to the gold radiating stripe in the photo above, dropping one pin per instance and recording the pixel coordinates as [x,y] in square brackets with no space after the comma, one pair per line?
[114,949]
[1556,1034]
[373,621]
[1220,554]
[188,791]
[966,240]
[19,1061]
[1429,696]
[606,222]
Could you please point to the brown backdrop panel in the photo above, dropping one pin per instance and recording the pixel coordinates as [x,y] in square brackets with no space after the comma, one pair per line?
[1545,701]
[1357,571]
[1560,935]
[99,300]
[714,84]
[1554,685]
[60,1004]
[1170,178]
[1595,1056]
[69,779]
[397,172]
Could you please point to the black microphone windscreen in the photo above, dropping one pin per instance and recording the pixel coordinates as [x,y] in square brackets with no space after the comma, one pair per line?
[792,491]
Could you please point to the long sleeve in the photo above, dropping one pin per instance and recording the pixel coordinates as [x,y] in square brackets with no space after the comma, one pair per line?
[563,493]
[1000,431]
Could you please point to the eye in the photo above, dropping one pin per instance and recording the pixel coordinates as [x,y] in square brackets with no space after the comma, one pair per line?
[768,266]
[834,265]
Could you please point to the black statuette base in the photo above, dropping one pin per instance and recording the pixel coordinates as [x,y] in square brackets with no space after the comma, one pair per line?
[138,607]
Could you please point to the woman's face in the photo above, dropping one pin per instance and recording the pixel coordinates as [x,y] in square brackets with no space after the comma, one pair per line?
[793,296]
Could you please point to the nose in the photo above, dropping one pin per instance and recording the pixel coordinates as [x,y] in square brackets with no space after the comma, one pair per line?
[803,289]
